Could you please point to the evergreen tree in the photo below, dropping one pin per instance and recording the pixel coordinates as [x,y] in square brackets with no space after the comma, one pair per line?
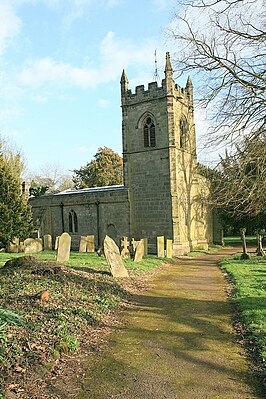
[15,214]
[104,170]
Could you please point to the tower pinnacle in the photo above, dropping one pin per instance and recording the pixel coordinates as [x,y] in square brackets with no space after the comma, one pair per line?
[124,81]
[168,67]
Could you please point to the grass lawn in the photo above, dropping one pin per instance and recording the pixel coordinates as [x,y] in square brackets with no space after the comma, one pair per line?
[249,279]
[82,296]
[236,240]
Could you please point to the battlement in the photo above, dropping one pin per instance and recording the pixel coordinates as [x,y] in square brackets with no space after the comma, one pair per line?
[155,92]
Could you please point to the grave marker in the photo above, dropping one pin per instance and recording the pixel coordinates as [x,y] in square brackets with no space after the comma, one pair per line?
[32,246]
[160,246]
[169,248]
[90,244]
[125,254]
[145,246]
[83,244]
[47,242]
[113,257]
[63,251]
[139,251]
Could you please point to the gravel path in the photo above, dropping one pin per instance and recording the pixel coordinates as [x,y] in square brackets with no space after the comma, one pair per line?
[177,342]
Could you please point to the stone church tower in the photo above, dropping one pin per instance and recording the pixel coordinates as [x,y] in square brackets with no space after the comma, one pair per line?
[162,195]
[160,167]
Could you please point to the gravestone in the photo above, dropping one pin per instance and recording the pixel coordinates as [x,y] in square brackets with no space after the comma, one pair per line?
[145,246]
[21,246]
[169,248]
[125,254]
[90,244]
[47,242]
[113,258]
[160,246]
[139,251]
[32,246]
[83,244]
[13,247]
[63,251]
[56,242]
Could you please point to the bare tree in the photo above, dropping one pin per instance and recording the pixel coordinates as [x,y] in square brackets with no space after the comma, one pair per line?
[224,43]
[52,177]
[239,183]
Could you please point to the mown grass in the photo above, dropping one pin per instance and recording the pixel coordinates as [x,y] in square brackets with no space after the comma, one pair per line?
[211,250]
[81,295]
[236,240]
[249,279]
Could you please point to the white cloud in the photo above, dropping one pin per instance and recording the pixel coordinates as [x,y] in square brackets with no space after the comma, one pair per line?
[115,54]
[7,114]
[103,103]
[10,24]
[84,149]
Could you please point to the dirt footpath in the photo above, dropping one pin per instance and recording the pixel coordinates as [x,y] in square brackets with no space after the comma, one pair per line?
[177,342]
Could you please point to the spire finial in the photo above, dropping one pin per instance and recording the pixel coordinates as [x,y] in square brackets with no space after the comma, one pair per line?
[124,78]
[189,82]
[124,82]
[168,66]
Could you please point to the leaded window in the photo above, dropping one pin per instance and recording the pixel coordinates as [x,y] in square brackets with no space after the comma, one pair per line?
[149,133]
[73,222]
[183,133]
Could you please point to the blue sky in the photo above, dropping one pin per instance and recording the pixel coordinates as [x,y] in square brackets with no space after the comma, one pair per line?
[60,67]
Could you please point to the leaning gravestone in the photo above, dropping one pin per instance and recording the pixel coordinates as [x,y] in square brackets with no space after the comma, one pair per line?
[113,257]
[160,246]
[32,246]
[47,242]
[90,244]
[139,251]
[63,251]
[83,244]
[169,248]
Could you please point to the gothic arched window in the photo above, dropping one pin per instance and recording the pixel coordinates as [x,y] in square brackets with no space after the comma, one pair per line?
[73,222]
[183,133]
[149,133]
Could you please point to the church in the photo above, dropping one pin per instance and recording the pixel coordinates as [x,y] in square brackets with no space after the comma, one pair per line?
[162,195]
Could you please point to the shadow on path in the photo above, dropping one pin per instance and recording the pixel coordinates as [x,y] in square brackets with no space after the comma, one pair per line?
[177,342]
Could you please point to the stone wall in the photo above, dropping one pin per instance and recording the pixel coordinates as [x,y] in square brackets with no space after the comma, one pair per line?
[99,212]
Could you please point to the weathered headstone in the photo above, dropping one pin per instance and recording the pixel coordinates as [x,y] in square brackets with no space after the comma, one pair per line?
[139,251]
[125,254]
[21,246]
[113,257]
[160,246]
[32,245]
[145,246]
[90,244]
[63,251]
[83,244]
[134,244]
[13,247]
[47,242]
[169,248]
[56,243]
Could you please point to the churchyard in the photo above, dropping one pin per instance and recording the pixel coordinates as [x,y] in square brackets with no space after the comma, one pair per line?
[56,303]
[61,304]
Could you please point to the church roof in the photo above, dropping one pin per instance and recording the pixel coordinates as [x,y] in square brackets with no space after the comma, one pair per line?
[92,190]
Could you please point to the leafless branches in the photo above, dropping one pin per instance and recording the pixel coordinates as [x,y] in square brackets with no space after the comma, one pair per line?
[239,185]
[224,43]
